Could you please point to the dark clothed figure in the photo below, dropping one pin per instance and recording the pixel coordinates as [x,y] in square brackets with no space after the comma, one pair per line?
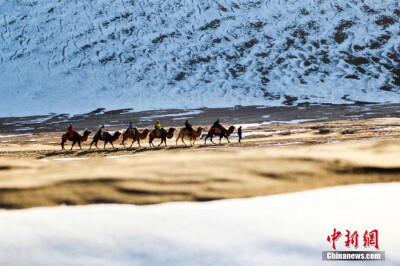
[216,123]
[240,133]
[189,127]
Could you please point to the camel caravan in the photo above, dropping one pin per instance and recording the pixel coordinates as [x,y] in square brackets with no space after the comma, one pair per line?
[134,134]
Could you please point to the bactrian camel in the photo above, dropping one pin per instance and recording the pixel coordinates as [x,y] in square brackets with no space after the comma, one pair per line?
[184,133]
[108,138]
[219,131]
[76,138]
[135,135]
[157,134]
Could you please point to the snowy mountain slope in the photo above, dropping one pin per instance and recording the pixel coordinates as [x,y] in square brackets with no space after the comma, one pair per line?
[74,56]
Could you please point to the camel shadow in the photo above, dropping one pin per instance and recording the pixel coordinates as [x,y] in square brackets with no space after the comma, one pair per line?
[80,153]
[180,147]
[56,153]
[144,149]
[102,151]
[83,152]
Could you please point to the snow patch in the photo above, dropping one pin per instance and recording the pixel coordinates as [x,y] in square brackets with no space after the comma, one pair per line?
[16,135]
[69,159]
[285,229]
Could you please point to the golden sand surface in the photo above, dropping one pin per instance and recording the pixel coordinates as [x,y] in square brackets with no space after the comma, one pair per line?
[272,158]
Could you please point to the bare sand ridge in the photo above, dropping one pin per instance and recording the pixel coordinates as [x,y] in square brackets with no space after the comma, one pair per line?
[273,158]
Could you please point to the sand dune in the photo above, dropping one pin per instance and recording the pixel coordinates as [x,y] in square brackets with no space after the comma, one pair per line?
[273,159]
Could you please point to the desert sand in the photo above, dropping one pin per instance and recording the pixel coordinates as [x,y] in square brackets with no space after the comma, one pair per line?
[272,158]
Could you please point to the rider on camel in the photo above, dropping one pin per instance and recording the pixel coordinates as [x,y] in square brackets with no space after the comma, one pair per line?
[189,127]
[71,130]
[102,131]
[131,127]
[217,125]
[159,127]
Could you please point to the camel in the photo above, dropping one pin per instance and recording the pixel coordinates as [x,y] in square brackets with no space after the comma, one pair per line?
[185,133]
[135,135]
[107,139]
[76,138]
[156,134]
[221,132]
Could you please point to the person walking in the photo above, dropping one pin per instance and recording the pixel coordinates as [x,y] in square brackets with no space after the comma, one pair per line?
[240,133]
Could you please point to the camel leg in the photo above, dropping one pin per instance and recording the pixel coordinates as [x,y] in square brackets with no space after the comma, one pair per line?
[79,143]
[73,143]
[176,142]
[95,144]
[161,142]
[112,144]
[123,142]
[212,140]
[138,142]
[183,141]
[132,143]
[227,138]
[62,145]
[105,143]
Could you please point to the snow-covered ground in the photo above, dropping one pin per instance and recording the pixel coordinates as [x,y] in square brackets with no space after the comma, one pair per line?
[286,229]
[75,56]
[15,135]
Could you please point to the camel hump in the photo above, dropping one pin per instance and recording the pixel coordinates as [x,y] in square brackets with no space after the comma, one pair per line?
[186,132]
[217,130]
